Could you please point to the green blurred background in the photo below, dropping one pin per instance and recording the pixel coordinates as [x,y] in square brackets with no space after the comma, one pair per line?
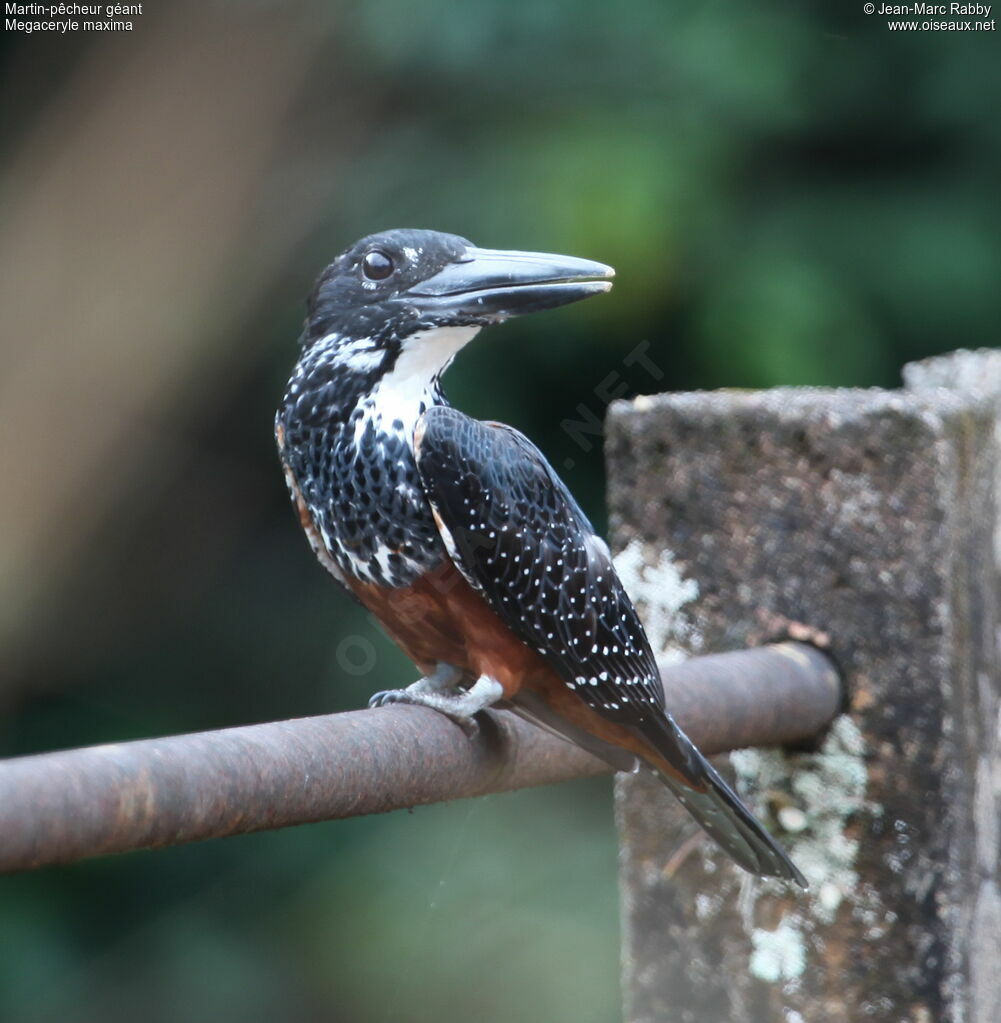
[791,194]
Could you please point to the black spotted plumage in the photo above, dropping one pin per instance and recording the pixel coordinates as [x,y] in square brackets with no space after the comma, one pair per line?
[522,540]
[353,465]
[519,537]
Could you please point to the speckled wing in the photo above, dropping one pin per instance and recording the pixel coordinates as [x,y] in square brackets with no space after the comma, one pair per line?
[520,539]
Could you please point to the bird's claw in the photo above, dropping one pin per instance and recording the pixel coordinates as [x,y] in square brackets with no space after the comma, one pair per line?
[388,697]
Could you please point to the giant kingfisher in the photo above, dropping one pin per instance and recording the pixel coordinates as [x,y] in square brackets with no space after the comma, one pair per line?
[458,535]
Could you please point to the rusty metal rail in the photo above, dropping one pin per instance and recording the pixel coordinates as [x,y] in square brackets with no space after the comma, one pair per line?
[66,806]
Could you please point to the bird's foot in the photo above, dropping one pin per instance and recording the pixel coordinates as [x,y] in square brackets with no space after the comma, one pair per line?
[444,678]
[459,705]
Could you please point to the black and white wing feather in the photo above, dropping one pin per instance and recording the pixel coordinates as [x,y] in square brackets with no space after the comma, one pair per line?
[520,539]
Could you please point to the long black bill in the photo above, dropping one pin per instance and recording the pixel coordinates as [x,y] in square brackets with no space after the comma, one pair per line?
[494,284]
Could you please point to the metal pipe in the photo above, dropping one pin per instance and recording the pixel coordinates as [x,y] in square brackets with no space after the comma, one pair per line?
[61,807]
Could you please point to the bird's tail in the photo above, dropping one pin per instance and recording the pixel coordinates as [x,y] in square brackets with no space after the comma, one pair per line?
[717,808]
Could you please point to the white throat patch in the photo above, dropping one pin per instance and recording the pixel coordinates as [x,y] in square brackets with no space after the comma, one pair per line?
[426,355]
[408,389]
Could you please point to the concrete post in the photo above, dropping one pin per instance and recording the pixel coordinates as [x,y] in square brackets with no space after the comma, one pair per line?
[868,517]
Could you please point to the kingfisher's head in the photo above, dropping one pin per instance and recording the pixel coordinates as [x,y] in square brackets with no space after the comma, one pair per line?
[389,290]
[391,312]
[391,285]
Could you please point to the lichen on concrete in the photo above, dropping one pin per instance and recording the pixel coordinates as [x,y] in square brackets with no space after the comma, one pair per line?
[812,800]
[659,591]
[809,799]
[779,954]
[819,794]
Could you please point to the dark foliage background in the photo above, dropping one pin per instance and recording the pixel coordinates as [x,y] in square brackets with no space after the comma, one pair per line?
[790,193]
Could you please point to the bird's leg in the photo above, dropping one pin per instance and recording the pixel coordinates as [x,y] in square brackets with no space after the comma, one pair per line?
[443,678]
[459,705]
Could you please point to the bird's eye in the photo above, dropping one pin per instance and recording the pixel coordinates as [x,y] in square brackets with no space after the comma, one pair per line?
[376,265]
